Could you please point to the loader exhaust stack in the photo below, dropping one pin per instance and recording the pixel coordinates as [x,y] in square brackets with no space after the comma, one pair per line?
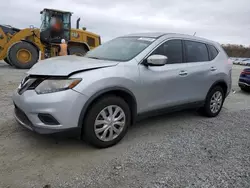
[77,23]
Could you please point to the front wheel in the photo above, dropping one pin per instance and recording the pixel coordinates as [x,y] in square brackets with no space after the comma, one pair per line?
[23,55]
[106,122]
[214,102]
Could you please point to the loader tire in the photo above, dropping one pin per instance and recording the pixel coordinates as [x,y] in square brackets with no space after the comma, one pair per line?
[77,50]
[23,55]
[7,61]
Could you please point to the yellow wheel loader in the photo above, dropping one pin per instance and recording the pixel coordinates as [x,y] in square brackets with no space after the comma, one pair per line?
[22,48]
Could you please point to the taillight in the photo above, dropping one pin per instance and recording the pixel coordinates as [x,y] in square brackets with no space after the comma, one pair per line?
[245,72]
[229,61]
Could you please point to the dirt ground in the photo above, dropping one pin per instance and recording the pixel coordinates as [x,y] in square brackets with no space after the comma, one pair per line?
[175,150]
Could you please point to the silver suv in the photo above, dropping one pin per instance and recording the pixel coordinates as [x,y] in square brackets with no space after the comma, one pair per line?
[101,94]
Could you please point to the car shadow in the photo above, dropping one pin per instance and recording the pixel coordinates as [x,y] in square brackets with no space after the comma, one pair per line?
[245,92]
[168,122]
[4,65]
[69,142]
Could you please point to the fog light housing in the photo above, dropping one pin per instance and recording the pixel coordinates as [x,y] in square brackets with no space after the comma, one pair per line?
[48,119]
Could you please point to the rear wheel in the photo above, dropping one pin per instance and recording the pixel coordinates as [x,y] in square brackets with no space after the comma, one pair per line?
[7,61]
[23,55]
[214,102]
[106,122]
[77,50]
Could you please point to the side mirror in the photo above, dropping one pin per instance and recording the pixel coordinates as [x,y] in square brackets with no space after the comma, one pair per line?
[157,60]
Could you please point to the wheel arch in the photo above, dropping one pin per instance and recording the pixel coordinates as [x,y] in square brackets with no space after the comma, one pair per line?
[23,40]
[221,83]
[32,43]
[124,93]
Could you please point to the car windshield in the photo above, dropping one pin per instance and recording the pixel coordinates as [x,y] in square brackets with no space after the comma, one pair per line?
[120,49]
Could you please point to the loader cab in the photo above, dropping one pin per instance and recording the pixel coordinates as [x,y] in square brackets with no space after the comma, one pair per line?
[51,17]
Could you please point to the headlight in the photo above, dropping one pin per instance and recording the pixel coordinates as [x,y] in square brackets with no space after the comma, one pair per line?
[55,85]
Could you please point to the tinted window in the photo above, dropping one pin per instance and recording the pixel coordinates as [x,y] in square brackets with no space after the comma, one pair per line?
[196,51]
[213,51]
[172,49]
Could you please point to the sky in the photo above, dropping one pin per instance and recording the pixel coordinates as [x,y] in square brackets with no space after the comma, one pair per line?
[224,21]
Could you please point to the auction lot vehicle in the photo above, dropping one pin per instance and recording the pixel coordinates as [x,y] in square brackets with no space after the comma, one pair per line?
[22,48]
[244,80]
[108,89]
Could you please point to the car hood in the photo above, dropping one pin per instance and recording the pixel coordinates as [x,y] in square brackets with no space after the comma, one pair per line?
[67,65]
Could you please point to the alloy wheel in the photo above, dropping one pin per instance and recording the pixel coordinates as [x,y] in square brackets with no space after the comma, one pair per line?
[109,123]
[216,102]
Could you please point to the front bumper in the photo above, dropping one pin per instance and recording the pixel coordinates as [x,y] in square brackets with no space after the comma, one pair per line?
[23,120]
[243,85]
[244,82]
[63,108]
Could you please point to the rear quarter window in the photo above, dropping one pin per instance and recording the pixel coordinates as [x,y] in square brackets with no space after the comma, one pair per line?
[213,52]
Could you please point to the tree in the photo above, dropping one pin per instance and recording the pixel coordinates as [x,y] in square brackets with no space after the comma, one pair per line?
[234,50]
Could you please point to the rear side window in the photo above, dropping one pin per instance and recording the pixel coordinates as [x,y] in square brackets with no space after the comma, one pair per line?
[172,49]
[213,51]
[196,51]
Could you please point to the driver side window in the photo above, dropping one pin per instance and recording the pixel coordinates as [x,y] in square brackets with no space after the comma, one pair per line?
[172,49]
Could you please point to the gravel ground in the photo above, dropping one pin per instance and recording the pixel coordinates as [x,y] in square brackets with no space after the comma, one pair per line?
[175,150]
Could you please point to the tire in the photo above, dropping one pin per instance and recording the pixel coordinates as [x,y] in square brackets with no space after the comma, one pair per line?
[77,50]
[23,55]
[206,110]
[7,61]
[89,123]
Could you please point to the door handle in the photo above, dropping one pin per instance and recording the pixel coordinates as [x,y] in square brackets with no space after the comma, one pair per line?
[213,69]
[183,73]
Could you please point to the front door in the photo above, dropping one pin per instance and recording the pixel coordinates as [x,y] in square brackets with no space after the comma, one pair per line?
[165,86]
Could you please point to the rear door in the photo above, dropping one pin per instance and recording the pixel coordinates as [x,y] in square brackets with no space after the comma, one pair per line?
[200,69]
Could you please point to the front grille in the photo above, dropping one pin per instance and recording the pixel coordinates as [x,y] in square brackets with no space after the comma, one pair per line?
[29,84]
[22,116]
[25,85]
[35,84]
